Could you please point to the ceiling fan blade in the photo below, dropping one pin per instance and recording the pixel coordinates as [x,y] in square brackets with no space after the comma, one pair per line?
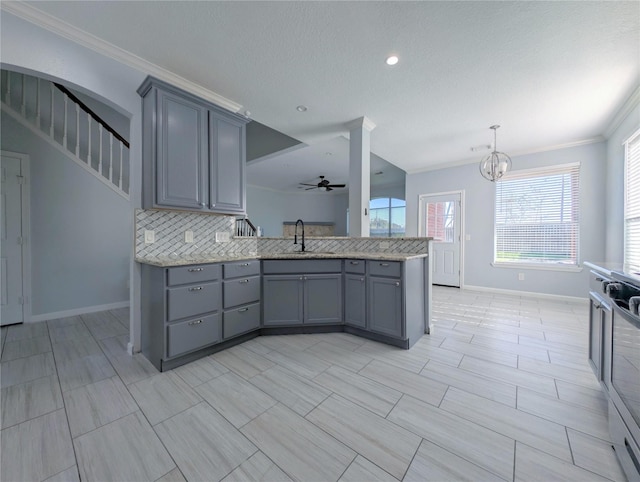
[310,188]
[336,185]
[327,188]
[305,184]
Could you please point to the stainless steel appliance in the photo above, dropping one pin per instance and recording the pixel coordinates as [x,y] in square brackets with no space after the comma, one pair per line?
[624,392]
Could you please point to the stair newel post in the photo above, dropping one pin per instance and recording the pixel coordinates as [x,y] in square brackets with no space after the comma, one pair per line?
[64,132]
[89,138]
[7,95]
[100,146]
[23,107]
[110,156]
[77,130]
[120,180]
[52,116]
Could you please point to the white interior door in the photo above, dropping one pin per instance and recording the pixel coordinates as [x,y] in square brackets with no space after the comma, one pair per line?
[441,216]
[11,235]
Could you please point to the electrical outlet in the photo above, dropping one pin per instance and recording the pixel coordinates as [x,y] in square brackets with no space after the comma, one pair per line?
[467,237]
[520,276]
[384,244]
[188,236]
[149,236]
[222,237]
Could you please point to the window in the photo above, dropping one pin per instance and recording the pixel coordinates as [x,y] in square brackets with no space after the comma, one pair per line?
[387,217]
[632,202]
[440,221]
[537,216]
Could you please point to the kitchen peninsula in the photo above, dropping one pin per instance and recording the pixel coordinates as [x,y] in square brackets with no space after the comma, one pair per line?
[200,302]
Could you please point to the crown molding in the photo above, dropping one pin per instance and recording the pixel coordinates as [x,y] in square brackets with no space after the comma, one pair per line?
[85,39]
[364,122]
[556,147]
[621,114]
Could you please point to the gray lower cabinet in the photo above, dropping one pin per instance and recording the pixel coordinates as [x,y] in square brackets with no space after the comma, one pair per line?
[283,299]
[385,306]
[355,301]
[181,311]
[600,328]
[241,298]
[322,298]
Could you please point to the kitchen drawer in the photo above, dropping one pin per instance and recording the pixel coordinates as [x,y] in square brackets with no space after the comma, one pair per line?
[192,300]
[385,268]
[302,266]
[241,269]
[190,335]
[240,320]
[355,266]
[241,291]
[595,282]
[193,274]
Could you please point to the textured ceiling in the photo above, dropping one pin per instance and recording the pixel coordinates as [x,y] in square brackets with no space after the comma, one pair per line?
[551,73]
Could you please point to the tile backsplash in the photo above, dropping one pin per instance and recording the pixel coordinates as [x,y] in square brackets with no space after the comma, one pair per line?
[169,228]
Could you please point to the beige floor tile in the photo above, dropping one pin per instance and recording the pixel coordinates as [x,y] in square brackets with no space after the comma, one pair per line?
[204,445]
[36,449]
[235,399]
[595,455]
[346,341]
[127,449]
[577,361]
[255,346]
[97,404]
[26,347]
[23,331]
[362,470]
[299,394]
[472,442]
[302,363]
[535,465]
[335,355]
[162,396]
[103,325]
[29,400]
[22,370]
[257,468]
[471,382]
[243,362]
[516,424]
[548,345]
[131,369]
[69,475]
[481,352]
[565,413]
[298,447]
[435,463]
[200,371]
[417,386]
[363,391]
[372,436]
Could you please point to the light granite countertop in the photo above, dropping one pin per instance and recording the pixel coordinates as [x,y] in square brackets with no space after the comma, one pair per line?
[167,261]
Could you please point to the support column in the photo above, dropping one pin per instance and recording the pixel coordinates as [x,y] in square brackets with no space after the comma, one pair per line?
[359,175]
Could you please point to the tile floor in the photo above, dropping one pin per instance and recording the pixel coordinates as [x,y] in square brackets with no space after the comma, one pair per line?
[501,390]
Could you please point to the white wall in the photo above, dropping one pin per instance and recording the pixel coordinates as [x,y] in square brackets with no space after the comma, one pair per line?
[269,209]
[479,219]
[614,228]
[80,230]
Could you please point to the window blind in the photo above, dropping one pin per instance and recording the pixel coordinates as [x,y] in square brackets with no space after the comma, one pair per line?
[632,203]
[537,217]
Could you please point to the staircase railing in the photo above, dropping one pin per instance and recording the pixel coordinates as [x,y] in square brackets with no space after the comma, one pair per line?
[54,113]
[244,227]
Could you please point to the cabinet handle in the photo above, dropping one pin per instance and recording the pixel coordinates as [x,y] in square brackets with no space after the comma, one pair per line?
[301,278]
[598,279]
[195,270]
[197,322]
[195,288]
[203,204]
[597,306]
[244,264]
[243,281]
[213,205]
[397,283]
[355,262]
[362,279]
[384,264]
[242,310]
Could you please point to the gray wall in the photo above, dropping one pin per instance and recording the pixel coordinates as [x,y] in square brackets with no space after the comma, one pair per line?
[479,219]
[80,230]
[614,228]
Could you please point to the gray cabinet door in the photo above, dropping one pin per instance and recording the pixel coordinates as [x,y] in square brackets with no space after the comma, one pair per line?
[355,307]
[322,298]
[385,306]
[227,157]
[182,157]
[282,300]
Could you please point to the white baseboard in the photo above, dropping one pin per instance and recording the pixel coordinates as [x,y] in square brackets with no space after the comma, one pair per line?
[530,294]
[78,311]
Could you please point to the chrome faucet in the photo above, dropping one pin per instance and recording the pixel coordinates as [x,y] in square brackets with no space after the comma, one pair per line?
[295,235]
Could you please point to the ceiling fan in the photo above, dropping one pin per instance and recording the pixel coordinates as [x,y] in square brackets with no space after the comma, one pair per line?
[324,185]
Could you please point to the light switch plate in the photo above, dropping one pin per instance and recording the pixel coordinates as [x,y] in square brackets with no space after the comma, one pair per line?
[188,236]
[468,237]
[149,236]
[222,237]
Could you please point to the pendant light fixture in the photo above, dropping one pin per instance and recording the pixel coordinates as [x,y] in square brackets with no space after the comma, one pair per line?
[495,165]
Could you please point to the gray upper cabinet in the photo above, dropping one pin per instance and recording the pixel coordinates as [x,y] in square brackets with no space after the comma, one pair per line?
[193,152]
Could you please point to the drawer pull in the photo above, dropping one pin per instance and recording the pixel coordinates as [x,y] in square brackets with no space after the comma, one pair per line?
[195,270]
[362,279]
[243,281]
[242,310]
[195,288]
[384,264]
[244,264]
[196,322]
[397,283]
[355,262]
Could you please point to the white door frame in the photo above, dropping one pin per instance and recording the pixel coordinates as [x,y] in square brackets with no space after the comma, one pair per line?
[421,232]
[25,169]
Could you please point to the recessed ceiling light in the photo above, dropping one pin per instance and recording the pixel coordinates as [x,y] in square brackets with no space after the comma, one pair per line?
[328,153]
[392,60]
[302,108]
